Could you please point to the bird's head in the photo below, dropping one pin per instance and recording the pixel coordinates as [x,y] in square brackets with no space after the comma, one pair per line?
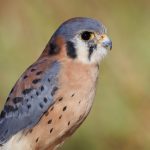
[85,40]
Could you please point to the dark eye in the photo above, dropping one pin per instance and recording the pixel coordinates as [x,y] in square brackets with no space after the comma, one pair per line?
[86,35]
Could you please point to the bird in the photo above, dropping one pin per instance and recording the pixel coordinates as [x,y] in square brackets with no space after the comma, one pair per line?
[53,97]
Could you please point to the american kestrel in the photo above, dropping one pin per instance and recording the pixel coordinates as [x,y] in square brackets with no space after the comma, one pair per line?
[55,94]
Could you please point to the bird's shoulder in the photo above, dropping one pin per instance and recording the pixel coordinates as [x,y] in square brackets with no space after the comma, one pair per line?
[31,96]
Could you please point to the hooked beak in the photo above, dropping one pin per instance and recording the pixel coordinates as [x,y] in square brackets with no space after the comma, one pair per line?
[105,41]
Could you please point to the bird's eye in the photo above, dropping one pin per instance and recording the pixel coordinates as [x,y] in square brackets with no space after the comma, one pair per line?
[86,35]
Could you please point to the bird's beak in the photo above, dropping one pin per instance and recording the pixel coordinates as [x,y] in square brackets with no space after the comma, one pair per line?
[105,41]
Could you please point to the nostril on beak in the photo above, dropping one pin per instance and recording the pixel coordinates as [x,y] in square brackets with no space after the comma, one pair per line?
[105,41]
[107,44]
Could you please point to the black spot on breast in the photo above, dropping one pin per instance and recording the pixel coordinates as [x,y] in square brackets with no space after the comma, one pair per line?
[49,121]
[71,51]
[17,99]
[68,123]
[37,93]
[60,99]
[41,105]
[27,91]
[45,100]
[25,77]
[60,116]
[29,106]
[32,70]
[64,109]
[39,72]
[36,81]
[37,140]
[53,49]
[72,95]
[49,80]
[51,130]
[54,90]
[42,88]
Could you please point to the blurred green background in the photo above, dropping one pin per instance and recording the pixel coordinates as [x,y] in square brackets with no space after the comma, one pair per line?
[120,118]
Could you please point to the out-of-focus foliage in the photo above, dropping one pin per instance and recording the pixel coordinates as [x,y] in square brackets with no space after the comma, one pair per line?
[120,118]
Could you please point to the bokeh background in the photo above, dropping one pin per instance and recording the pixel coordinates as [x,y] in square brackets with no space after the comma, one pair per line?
[120,118]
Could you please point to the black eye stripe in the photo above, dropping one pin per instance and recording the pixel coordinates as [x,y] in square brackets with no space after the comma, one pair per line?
[91,49]
[86,35]
[71,51]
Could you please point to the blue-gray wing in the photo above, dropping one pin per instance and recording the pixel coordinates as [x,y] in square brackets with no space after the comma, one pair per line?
[29,99]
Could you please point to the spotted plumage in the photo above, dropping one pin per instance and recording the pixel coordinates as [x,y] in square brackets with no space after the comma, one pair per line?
[55,94]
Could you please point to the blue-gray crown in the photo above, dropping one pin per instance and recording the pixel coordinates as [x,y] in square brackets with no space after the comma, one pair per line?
[75,25]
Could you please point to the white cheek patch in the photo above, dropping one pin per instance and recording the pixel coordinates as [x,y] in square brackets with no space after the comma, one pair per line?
[82,51]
